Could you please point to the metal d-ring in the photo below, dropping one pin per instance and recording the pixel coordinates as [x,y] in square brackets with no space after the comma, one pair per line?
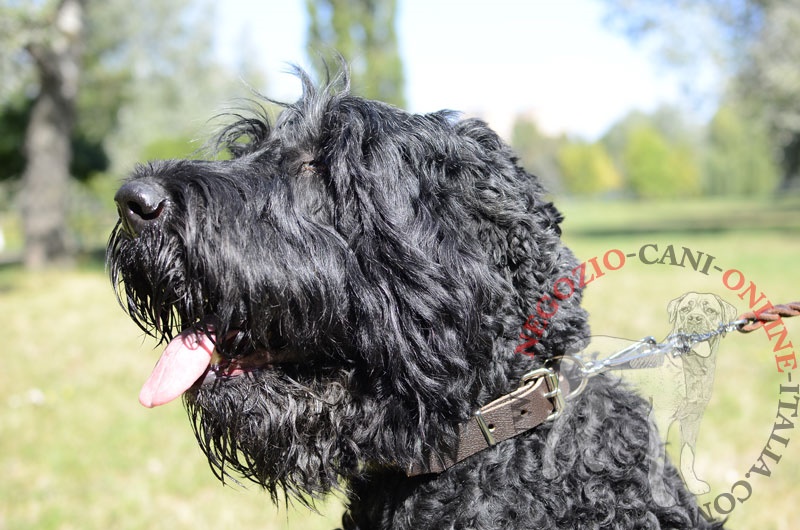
[582,373]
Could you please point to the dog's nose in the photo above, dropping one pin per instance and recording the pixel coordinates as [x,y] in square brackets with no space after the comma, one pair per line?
[140,203]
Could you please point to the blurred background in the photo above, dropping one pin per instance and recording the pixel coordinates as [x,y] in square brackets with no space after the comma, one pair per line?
[650,121]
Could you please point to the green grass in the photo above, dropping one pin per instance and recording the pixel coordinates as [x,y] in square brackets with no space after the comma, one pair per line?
[76,448]
[631,302]
[78,451]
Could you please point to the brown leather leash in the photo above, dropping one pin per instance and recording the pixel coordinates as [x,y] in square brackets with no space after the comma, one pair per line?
[542,393]
[757,319]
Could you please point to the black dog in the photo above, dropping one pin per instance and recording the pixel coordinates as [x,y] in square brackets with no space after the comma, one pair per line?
[343,295]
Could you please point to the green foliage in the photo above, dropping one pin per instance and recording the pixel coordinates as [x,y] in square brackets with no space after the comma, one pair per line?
[20,23]
[686,175]
[171,147]
[656,169]
[646,161]
[158,65]
[88,155]
[138,60]
[587,169]
[146,83]
[657,155]
[113,64]
[751,45]
[739,161]
[364,32]
[617,136]
[538,153]
[770,82]
[13,119]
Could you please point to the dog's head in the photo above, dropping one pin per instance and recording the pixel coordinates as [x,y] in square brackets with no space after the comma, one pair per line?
[699,313]
[346,289]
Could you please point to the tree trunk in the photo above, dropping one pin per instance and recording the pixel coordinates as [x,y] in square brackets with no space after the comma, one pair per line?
[47,138]
[791,163]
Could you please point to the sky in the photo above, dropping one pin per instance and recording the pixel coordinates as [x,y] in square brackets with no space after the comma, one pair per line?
[554,60]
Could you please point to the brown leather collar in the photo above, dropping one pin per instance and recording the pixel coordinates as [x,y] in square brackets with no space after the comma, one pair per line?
[539,398]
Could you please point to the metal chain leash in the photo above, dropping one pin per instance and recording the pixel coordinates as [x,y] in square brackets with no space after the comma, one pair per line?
[648,352]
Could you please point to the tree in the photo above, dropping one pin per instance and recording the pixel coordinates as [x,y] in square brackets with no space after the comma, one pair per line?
[363,32]
[617,136]
[538,152]
[771,82]
[739,159]
[109,78]
[656,169]
[752,43]
[588,169]
[55,52]
[89,156]
[166,79]
[658,153]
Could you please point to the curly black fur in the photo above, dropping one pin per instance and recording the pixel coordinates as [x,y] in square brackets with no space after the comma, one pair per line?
[385,263]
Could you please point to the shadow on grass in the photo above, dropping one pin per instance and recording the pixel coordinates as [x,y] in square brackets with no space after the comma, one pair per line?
[619,218]
[12,268]
[688,226]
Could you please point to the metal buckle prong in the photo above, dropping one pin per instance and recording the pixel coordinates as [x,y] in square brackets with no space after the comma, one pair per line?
[553,389]
[555,395]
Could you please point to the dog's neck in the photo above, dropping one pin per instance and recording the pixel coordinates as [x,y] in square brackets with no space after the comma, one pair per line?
[539,398]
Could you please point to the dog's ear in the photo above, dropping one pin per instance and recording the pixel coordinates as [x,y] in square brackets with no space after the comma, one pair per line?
[729,312]
[672,308]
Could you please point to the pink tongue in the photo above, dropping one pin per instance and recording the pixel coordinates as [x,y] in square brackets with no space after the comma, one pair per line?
[185,359]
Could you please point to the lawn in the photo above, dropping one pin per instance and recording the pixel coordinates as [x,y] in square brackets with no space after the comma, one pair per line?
[632,302]
[78,451]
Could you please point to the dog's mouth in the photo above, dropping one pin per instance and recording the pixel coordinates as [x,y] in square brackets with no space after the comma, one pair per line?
[192,359]
[695,327]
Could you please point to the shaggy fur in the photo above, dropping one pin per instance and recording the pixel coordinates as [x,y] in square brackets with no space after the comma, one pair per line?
[374,269]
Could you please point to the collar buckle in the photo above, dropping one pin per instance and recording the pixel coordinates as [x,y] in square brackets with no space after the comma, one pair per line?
[548,377]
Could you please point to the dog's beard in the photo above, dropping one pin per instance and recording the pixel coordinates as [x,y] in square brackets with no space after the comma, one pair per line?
[150,283]
[282,434]
[263,425]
